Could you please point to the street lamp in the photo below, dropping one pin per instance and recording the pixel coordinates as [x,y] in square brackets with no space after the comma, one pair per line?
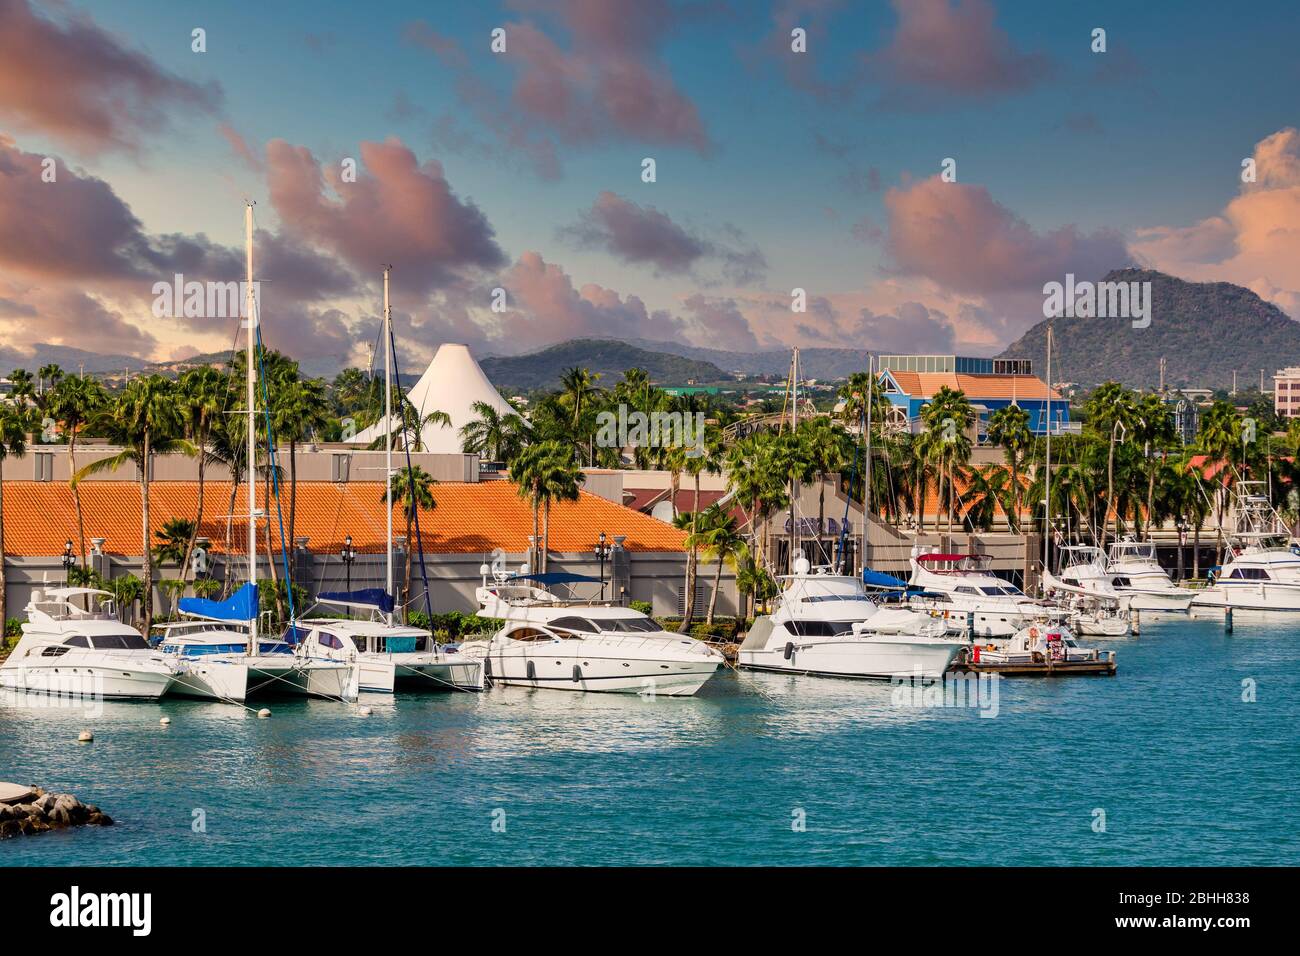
[348,554]
[69,559]
[602,552]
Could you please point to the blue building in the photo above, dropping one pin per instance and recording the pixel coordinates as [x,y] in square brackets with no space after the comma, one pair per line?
[910,381]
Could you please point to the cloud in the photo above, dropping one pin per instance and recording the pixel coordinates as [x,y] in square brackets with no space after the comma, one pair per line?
[958,236]
[398,212]
[239,146]
[1254,241]
[72,81]
[642,235]
[546,308]
[945,49]
[610,84]
[719,322]
[911,327]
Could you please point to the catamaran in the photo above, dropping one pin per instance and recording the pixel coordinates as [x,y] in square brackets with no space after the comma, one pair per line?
[387,652]
[567,643]
[827,625]
[73,645]
[224,659]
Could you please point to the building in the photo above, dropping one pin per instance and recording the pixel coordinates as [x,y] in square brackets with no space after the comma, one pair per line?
[1286,392]
[911,381]
[470,524]
[453,383]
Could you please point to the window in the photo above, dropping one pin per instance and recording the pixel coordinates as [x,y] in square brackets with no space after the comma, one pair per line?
[120,642]
[818,628]
[77,640]
[44,465]
[56,650]
[329,640]
[1249,574]
[360,641]
[966,590]
[574,624]
[339,468]
[634,625]
[530,634]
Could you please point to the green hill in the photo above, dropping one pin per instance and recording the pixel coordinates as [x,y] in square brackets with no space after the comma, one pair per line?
[1204,331]
[609,357]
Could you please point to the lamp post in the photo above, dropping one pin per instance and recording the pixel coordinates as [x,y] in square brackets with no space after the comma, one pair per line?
[602,552]
[348,554]
[69,559]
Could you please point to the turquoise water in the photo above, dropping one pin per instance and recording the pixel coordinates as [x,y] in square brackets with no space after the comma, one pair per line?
[1185,771]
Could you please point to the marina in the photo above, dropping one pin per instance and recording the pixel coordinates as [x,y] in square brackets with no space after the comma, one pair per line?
[615,779]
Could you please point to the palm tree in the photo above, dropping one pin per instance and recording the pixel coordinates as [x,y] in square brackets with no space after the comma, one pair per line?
[173,541]
[1009,428]
[20,385]
[412,489]
[947,417]
[1111,410]
[578,391]
[721,541]
[146,422]
[987,489]
[300,409]
[1155,432]
[1220,437]
[828,448]
[74,402]
[204,394]
[48,373]
[15,422]
[544,472]
[493,435]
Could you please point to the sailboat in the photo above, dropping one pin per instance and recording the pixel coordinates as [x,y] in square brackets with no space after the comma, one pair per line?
[386,652]
[219,654]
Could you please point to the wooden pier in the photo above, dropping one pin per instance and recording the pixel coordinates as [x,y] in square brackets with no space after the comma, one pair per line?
[1102,667]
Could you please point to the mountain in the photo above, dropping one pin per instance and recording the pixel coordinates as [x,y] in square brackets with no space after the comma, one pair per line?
[818,363]
[67,358]
[1204,330]
[608,356]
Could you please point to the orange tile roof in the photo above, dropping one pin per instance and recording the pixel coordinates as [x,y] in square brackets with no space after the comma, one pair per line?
[925,384]
[468,519]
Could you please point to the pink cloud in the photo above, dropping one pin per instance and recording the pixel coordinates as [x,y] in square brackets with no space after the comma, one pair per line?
[959,237]
[239,146]
[73,81]
[398,212]
[1254,241]
[952,49]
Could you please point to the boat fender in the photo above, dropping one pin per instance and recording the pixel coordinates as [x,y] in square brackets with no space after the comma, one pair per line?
[531,671]
[789,650]
[577,674]
[1033,633]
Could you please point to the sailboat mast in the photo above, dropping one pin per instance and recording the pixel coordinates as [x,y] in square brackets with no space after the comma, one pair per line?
[794,429]
[1047,482]
[866,478]
[251,320]
[388,437]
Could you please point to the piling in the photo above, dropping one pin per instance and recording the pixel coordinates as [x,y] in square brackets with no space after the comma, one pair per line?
[1227,620]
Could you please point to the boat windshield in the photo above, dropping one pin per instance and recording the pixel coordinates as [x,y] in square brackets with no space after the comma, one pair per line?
[1133,551]
[635,625]
[119,642]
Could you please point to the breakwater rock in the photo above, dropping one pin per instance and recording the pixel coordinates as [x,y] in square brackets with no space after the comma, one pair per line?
[28,810]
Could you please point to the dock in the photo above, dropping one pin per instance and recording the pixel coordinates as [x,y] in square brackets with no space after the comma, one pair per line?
[1102,667]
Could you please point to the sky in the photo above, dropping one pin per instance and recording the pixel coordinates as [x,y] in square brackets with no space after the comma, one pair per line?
[506,187]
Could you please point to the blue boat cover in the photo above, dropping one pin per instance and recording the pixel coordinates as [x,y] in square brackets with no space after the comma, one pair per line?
[879,579]
[240,606]
[371,597]
[555,577]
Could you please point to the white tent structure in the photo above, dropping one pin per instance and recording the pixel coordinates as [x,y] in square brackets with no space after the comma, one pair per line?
[452,383]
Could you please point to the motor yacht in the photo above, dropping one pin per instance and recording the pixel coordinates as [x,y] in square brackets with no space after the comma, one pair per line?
[387,654]
[73,645]
[963,588]
[1262,569]
[827,625]
[1135,573]
[565,643]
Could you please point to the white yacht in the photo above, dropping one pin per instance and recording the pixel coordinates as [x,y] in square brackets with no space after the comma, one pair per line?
[1262,570]
[572,644]
[1083,572]
[73,645]
[1135,573]
[214,662]
[1039,643]
[827,625]
[387,654]
[964,589]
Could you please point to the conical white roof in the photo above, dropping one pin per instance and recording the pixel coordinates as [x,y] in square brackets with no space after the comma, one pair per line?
[452,383]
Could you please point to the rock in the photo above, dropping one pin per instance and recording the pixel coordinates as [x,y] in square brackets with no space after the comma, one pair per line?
[48,811]
[45,802]
[9,828]
[98,819]
[6,812]
[59,816]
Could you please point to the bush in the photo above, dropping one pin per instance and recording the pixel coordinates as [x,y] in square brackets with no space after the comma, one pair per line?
[451,625]
[642,606]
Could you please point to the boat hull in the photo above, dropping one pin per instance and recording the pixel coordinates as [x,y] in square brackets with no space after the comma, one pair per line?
[556,671]
[1255,598]
[384,675]
[870,658]
[88,681]
[215,678]
[1171,601]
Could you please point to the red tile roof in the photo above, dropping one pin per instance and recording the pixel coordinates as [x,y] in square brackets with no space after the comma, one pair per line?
[468,518]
